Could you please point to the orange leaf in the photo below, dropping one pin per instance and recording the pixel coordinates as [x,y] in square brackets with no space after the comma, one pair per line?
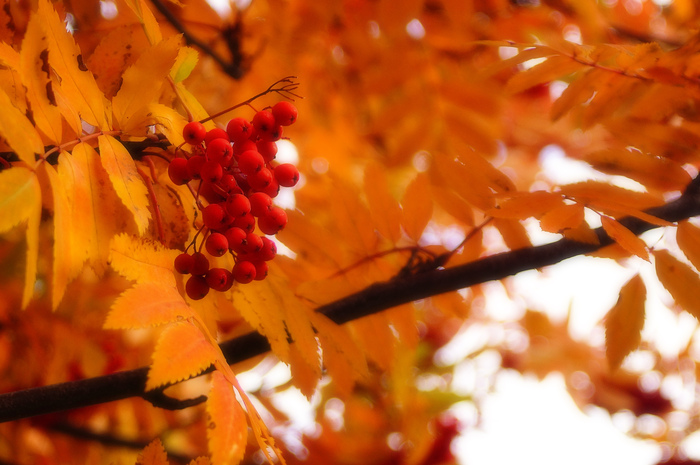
[153,454]
[142,81]
[624,323]
[562,218]
[555,67]
[127,183]
[383,207]
[679,280]
[147,304]
[688,238]
[417,205]
[76,81]
[148,21]
[468,183]
[20,201]
[227,430]
[181,353]
[526,204]
[142,260]
[513,233]
[353,219]
[34,66]
[625,237]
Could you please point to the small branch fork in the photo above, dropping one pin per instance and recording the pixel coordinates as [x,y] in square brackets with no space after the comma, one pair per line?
[373,299]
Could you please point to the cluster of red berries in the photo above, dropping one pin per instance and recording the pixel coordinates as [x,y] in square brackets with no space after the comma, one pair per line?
[238,178]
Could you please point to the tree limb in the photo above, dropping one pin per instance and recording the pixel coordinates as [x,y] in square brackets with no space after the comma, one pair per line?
[373,299]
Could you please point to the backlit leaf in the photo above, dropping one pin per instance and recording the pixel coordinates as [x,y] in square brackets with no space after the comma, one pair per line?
[227,429]
[513,233]
[526,204]
[688,238]
[680,281]
[383,207]
[148,21]
[127,183]
[187,58]
[554,67]
[417,203]
[182,351]
[624,322]
[353,219]
[626,238]
[146,305]
[562,218]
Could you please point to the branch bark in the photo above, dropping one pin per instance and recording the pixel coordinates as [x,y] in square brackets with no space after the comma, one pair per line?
[373,299]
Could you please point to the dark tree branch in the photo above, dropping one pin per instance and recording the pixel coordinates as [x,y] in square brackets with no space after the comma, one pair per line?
[235,68]
[373,299]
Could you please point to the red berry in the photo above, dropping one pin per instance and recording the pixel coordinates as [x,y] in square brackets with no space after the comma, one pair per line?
[228,183]
[269,249]
[211,192]
[219,149]
[236,238]
[242,147]
[261,269]
[273,221]
[201,264]
[260,203]
[194,132]
[239,130]
[196,287]
[260,179]
[285,113]
[219,279]
[272,189]
[272,134]
[253,243]
[245,222]
[216,133]
[183,263]
[264,121]
[238,205]
[287,175]
[216,244]
[211,171]
[194,166]
[250,162]
[243,272]
[268,149]
[177,171]
[213,216]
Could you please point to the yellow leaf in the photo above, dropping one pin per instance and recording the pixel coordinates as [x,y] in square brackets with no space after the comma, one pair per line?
[153,454]
[142,260]
[20,201]
[383,207]
[167,121]
[625,238]
[148,21]
[65,268]
[181,353]
[679,280]
[76,80]
[688,238]
[18,132]
[624,323]
[146,305]
[187,58]
[97,210]
[417,203]
[563,217]
[555,67]
[36,77]
[74,176]
[126,180]
[142,81]
[227,429]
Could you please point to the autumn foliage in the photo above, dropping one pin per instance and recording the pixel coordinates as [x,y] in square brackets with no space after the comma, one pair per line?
[136,134]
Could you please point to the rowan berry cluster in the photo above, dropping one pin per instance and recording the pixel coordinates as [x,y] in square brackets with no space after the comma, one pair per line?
[235,173]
